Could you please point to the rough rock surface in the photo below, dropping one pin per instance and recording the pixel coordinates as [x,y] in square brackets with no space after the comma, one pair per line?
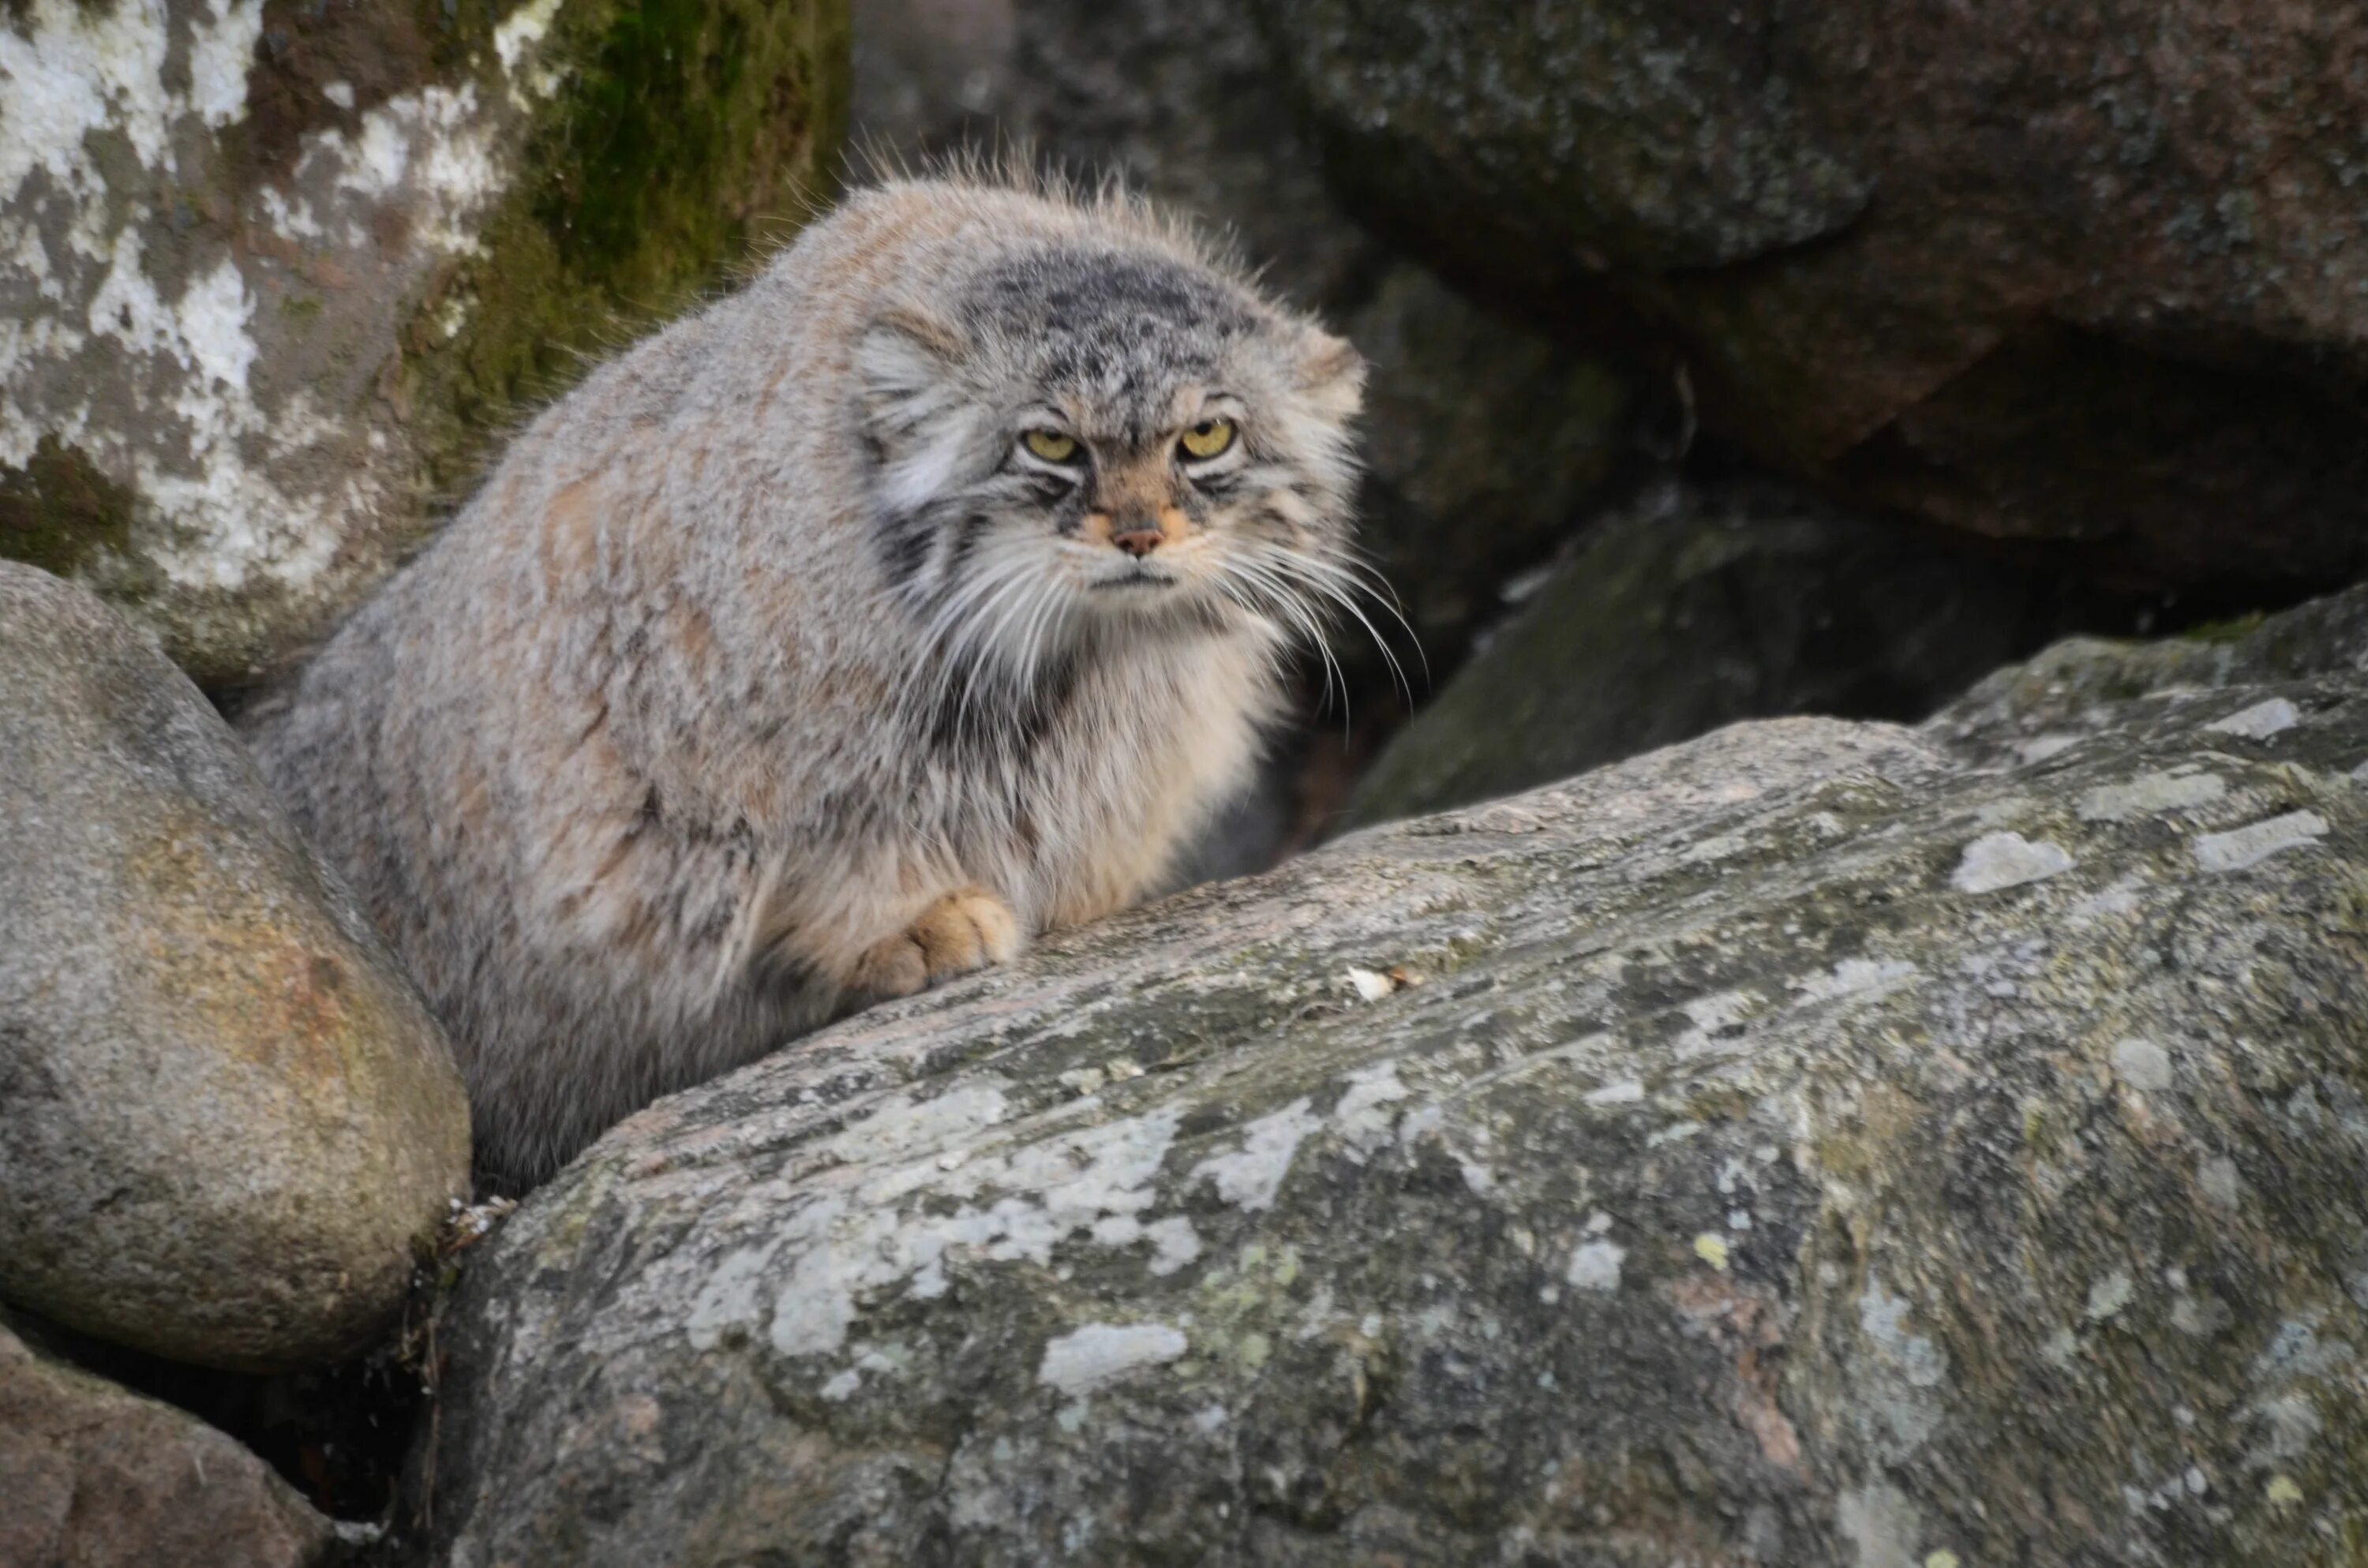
[1483,439]
[1692,607]
[2089,274]
[226,1119]
[1794,1147]
[276,270]
[96,1476]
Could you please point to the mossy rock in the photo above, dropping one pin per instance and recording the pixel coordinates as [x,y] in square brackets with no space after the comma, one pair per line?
[290,289]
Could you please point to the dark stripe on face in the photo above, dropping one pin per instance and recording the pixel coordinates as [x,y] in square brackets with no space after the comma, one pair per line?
[905,547]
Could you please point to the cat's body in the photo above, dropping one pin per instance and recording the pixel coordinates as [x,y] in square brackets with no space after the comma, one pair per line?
[697,726]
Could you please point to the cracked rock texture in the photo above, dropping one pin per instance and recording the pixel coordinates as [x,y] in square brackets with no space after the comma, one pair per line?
[227,1121]
[1817,1144]
[96,1476]
[2090,275]
[272,272]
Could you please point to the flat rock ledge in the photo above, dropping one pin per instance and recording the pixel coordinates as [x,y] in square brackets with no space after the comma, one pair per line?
[1794,1147]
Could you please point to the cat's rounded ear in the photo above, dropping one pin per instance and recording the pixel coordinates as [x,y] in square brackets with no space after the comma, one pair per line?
[906,359]
[1331,374]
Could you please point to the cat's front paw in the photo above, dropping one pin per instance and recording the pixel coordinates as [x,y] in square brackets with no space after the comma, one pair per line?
[967,929]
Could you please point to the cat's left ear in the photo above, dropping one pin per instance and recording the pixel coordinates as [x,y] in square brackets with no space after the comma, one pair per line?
[1331,374]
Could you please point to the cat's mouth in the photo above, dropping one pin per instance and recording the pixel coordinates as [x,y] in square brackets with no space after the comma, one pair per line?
[1141,577]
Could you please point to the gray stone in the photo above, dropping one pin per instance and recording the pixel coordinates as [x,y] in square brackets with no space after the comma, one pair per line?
[96,1476]
[1668,1166]
[2089,276]
[276,273]
[226,1119]
[1692,606]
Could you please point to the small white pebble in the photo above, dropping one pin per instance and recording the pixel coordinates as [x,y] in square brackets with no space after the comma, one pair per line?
[1371,984]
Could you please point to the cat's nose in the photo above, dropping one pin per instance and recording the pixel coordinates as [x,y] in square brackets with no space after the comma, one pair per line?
[1138,543]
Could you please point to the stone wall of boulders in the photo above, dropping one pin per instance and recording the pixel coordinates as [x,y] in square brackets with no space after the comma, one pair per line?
[1821,1144]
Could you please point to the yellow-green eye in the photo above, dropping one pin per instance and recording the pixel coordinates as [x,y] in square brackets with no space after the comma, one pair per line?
[1208,439]
[1051,444]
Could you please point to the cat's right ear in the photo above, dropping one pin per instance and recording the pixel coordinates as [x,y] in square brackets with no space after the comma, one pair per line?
[907,361]
[919,422]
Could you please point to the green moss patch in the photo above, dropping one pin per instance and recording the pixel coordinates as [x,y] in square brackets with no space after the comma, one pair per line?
[685,137]
[58,511]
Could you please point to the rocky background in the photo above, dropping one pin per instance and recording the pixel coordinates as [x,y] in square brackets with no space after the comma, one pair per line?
[1927,1135]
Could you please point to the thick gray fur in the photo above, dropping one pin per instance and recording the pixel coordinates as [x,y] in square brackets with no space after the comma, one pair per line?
[770,672]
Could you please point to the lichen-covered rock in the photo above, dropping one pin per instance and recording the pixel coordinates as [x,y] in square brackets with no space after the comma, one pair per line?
[2088,276]
[226,1119]
[276,271]
[2028,712]
[1483,439]
[1794,1147]
[1692,607]
[96,1476]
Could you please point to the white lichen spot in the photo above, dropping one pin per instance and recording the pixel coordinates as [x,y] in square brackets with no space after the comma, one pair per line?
[1853,977]
[2108,1296]
[2220,1181]
[1883,1318]
[1716,1019]
[2256,842]
[2259,721]
[1361,1117]
[1711,1249]
[728,1298]
[522,29]
[1174,1244]
[1079,1362]
[1998,860]
[2143,1065]
[1627,1091]
[1252,1175]
[2039,748]
[842,1386]
[1594,1265]
[2151,794]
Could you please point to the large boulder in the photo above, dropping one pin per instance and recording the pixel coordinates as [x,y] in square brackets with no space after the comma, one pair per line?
[1694,606]
[96,1476]
[1797,1146]
[277,272]
[2087,275]
[227,1121]
[1484,437]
